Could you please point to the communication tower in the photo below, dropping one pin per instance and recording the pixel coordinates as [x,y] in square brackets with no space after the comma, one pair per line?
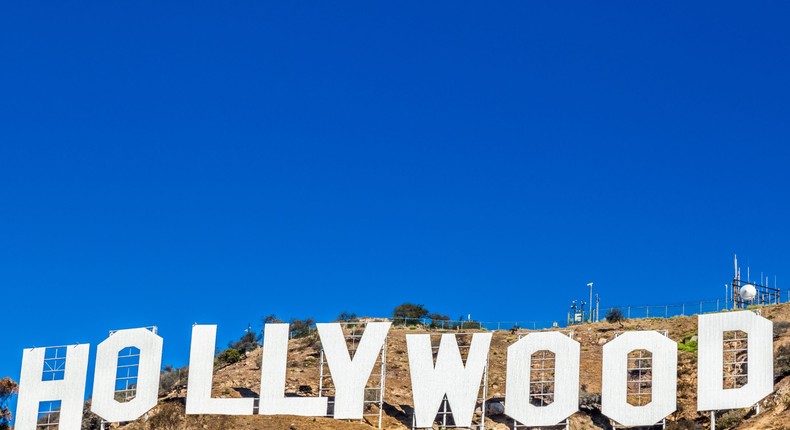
[745,293]
[577,313]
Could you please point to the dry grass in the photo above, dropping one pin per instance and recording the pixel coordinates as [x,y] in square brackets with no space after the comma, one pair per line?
[243,378]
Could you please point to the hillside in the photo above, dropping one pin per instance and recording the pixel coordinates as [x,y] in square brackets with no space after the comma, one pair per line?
[243,379]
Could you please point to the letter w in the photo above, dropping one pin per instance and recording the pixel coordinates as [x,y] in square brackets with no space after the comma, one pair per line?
[450,377]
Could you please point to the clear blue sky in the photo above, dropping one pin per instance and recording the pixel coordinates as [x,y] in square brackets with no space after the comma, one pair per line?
[203,162]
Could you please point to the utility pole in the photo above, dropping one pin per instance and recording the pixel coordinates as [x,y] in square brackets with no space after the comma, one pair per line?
[597,308]
[591,301]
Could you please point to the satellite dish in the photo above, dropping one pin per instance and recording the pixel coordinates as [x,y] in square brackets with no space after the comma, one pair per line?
[747,292]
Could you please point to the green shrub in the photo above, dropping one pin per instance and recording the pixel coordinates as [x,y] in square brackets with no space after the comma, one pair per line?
[301,328]
[782,362]
[732,418]
[470,325]
[229,356]
[684,424]
[170,378]
[246,343]
[271,319]
[346,316]
[208,422]
[440,321]
[589,402]
[690,346]
[615,316]
[90,421]
[169,417]
[8,389]
[780,328]
[409,313]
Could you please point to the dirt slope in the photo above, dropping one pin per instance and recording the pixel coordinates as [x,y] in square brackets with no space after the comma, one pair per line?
[242,379]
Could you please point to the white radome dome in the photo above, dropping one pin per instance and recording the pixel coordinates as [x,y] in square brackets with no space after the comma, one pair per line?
[747,292]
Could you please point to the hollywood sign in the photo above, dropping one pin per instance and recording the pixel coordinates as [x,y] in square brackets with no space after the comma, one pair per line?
[449,376]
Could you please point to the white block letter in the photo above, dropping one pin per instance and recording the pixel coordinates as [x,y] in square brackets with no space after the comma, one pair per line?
[566,379]
[614,402]
[711,394]
[449,377]
[351,375]
[70,390]
[275,357]
[147,390]
[201,370]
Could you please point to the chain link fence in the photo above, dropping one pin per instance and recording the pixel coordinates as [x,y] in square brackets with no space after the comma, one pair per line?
[668,311]
[628,312]
[449,325]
